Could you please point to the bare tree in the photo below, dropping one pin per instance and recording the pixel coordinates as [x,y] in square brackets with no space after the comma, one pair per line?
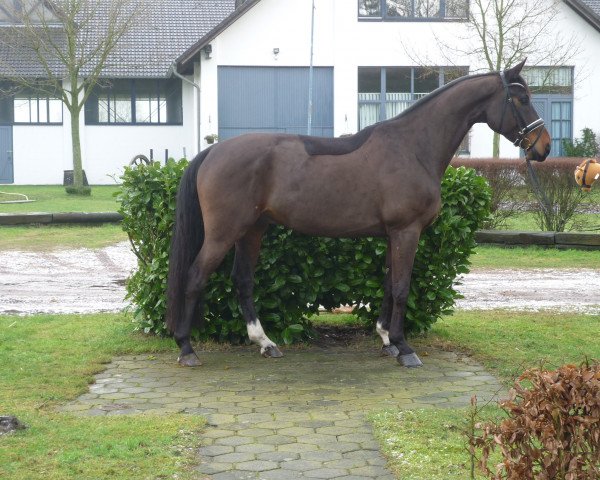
[500,33]
[70,42]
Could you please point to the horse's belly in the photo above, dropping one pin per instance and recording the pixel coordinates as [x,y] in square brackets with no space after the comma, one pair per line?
[319,220]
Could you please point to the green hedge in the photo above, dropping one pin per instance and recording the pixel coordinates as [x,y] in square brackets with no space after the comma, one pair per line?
[297,273]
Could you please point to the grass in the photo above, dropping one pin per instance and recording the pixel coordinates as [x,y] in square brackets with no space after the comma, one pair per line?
[52,237]
[487,256]
[526,221]
[53,199]
[509,342]
[46,361]
[431,444]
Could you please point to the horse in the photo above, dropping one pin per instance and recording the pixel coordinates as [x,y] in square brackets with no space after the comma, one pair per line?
[586,173]
[383,181]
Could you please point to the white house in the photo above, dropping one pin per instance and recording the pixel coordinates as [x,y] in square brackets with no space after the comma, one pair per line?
[225,67]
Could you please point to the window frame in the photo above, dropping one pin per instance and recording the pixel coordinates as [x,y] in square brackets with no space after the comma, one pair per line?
[37,99]
[384,17]
[164,97]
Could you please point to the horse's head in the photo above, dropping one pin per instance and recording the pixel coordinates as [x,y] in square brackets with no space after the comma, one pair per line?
[511,114]
[587,173]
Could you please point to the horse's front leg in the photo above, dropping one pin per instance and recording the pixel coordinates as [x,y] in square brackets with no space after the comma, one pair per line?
[402,248]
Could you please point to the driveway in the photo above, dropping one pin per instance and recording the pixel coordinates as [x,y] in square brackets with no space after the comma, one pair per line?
[86,281]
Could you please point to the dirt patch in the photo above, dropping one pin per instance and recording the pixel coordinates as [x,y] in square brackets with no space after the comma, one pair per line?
[87,281]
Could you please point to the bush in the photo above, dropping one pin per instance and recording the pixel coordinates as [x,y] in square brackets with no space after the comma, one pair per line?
[553,427]
[506,183]
[586,147]
[559,196]
[296,273]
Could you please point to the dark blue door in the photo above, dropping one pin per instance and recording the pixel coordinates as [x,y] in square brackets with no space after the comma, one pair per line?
[6,155]
[557,113]
[274,99]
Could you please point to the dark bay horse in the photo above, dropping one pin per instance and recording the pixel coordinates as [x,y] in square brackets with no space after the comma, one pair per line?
[382,181]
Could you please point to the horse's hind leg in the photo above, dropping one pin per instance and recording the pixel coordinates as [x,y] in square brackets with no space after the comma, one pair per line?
[246,256]
[385,312]
[208,259]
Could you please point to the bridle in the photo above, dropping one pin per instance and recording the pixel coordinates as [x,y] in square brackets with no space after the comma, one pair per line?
[524,129]
[584,173]
[523,142]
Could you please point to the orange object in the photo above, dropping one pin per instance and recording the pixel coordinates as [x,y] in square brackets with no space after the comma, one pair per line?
[587,173]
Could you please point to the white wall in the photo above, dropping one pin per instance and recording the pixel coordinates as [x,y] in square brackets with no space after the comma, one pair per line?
[43,152]
[38,154]
[345,43]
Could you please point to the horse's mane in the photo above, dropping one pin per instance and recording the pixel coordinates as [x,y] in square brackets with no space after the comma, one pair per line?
[350,143]
[438,91]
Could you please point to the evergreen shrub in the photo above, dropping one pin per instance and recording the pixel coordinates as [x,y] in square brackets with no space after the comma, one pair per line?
[296,273]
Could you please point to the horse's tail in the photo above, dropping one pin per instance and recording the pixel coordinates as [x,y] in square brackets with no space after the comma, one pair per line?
[188,237]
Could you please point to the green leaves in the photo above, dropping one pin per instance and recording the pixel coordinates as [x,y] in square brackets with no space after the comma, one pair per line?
[295,273]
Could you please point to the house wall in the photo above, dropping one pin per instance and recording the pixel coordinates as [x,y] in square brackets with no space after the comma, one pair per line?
[345,43]
[586,60]
[38,154]
[43,152]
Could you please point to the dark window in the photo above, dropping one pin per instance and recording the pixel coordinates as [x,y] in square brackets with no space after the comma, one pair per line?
[139,102]
[386,92]
[413,10]
[6,110]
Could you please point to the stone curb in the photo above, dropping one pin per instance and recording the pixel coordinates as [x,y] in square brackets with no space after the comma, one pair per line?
[59,218]
[583,241]
[561,240]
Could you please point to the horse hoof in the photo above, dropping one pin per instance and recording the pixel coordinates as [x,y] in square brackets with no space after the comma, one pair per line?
[410,360]
[272,351]
[390,350]
[189,360]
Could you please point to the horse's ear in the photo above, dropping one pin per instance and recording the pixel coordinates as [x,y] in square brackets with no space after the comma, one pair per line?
[512,74]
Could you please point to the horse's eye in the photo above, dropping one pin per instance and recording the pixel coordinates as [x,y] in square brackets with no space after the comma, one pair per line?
[524,100]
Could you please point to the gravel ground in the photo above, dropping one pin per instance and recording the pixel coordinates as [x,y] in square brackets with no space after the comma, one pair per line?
[86,281]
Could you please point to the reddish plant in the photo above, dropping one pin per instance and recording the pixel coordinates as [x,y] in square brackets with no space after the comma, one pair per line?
[553,427]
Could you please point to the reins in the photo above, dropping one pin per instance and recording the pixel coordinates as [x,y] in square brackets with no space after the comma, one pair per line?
[525,129]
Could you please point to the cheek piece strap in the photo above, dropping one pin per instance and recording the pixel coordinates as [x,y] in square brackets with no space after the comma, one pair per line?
[524,129]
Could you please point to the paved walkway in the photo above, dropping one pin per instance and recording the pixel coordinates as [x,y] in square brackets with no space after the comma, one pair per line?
[302,416]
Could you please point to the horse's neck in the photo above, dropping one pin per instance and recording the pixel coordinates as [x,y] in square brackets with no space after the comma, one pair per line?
[444,121]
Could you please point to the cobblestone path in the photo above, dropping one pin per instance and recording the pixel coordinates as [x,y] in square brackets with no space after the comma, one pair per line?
[302,416]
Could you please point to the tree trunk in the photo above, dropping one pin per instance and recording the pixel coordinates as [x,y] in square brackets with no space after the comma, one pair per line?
[76,146]
[496,146]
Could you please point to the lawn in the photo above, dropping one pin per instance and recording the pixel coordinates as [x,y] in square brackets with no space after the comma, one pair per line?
[53,237]
[431,444]
[46,361]
[53,199]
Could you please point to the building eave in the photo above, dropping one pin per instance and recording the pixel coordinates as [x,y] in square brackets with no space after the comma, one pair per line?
[585,12]
[186,58]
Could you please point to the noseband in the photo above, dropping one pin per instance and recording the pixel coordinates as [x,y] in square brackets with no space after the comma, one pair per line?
[521,141]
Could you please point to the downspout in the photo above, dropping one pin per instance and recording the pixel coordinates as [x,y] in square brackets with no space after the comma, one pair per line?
[173,70]
[311,70]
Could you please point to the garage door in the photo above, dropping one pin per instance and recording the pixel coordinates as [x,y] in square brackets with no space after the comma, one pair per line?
[274,99]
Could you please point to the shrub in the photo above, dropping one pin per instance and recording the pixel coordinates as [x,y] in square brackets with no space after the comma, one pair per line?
[558,195]
[296,273]
[553,427]
[506,183]
[586,147]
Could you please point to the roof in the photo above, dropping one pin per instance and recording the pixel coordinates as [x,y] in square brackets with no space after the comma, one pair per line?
[166,29]
[172,26]
[588,9]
